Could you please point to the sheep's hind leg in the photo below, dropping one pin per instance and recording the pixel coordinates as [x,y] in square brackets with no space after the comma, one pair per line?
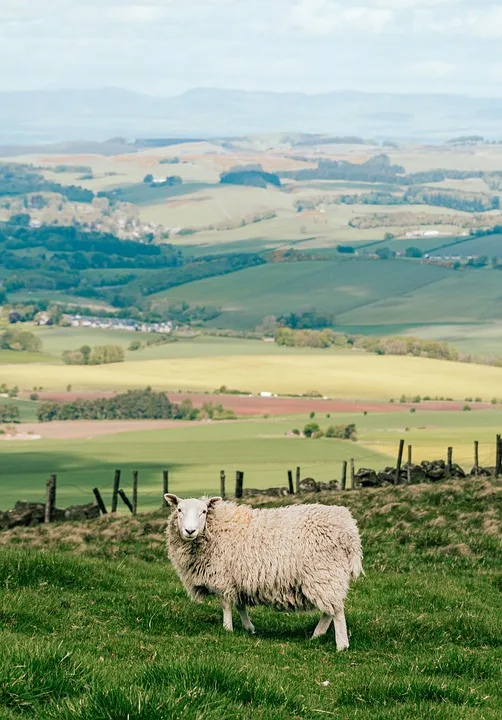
[322,626]
[227,615]
[341,637]
[246,620]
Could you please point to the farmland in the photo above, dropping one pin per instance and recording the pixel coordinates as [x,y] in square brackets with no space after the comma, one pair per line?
[97,624]
[196,452]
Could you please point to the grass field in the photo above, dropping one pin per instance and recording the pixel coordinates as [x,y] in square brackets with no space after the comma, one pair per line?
[96,625]
[334,287]
[196,453]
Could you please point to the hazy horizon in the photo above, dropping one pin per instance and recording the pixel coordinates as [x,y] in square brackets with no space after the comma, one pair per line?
[166,47]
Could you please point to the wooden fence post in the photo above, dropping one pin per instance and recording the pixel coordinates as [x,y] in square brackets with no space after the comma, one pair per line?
[352,474]
[397,477]
[498,457]
[239,482]
[409,454]
[476,458]
[99,501]
[50,499]
[116,483]
[125,499]
[134,492]
[222,484]
[165,487]
[449,462]
[297,488]
[344,475]
[291,488]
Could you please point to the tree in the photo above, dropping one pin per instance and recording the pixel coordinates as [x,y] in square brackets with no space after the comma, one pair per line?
[148,178]
[413,252]
[385,253]
[311,429]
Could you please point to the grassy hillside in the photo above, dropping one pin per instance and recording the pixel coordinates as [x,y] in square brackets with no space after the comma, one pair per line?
[334,287]
[96,625]
[196,453]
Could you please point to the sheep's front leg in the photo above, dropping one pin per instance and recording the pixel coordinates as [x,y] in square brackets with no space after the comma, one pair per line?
[227,615]
[245,619]
[341,637]
[322,626]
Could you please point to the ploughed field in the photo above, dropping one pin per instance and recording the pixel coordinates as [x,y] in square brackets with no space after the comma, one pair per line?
[96,624]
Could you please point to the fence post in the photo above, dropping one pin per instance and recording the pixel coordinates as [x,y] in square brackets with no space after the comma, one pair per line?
[50,499]
[352,474]
[344,475]
[125,499]
[409,454]
[476,458]
[134,492]
[222,484]
[239,482]
[449,462]
[291,488]
[165,487]
[498,456]
[297,480]
[99,501]
[408,474]
[399,461]
[116,483]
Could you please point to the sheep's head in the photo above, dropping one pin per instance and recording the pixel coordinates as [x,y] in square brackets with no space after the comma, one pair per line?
[191,514]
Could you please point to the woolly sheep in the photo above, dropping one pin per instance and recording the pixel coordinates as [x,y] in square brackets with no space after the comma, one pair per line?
[299,557]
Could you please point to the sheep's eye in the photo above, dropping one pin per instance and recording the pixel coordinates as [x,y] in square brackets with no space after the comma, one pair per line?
[179,510]
[204,512]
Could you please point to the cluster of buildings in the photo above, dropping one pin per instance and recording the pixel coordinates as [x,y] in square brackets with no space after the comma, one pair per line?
[104,323]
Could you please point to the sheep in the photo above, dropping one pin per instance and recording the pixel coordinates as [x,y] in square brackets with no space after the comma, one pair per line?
[299,557]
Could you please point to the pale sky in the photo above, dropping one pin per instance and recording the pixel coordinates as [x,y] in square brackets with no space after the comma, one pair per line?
[164,47]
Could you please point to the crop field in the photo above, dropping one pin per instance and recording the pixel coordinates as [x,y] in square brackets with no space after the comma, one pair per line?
[353,375]
[96,624]
[195,453]
[334,287]
[462,297]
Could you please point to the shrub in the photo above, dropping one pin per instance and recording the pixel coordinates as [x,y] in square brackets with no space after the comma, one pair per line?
[13,392]
[417,399]
[413,410]
[312,415]
[478,399]
[318,434]
[135,345]
[34,396]
[466,408]
[468,399]
[342,432]
[494,401]
[402,399]
[296,431]
[310,429]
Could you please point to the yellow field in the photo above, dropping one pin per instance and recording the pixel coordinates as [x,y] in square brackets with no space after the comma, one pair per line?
[344,376]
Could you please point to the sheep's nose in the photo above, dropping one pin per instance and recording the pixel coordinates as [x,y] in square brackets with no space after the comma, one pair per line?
[189,532]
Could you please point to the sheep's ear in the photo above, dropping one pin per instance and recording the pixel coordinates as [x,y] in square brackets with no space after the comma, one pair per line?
[171,499]
[212,501]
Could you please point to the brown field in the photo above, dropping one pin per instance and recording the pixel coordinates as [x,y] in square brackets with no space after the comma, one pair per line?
[255,405]
[88,429]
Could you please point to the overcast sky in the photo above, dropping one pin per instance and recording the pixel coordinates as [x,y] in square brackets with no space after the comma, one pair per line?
[165,47]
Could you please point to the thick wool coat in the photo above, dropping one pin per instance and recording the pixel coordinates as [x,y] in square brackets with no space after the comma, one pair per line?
[298,557]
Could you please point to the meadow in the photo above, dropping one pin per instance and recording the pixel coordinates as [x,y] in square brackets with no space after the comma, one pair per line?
[194,454]
[96,624]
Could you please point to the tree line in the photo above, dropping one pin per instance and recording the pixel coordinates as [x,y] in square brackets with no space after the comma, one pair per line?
[100,355]
[131,405]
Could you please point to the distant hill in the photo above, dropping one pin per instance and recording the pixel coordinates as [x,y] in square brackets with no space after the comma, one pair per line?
[49,116]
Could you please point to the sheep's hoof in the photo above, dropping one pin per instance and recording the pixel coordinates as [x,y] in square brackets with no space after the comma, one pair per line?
[228,628]
[341,648]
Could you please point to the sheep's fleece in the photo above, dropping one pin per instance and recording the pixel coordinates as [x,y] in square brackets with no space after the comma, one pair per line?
[298,557]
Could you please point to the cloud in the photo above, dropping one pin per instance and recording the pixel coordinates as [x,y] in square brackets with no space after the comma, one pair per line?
[433,68]
[322,17]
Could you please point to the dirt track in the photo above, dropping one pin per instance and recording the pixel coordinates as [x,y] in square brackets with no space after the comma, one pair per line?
[255,405]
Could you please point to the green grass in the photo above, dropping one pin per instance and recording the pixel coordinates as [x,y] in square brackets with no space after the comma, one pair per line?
[196,453]
[335,287]
[27,409]
[143,194]
[96,624]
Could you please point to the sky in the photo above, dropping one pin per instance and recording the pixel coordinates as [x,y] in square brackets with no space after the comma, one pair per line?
[165,47]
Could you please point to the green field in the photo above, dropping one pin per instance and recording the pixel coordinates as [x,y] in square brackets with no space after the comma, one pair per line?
[195,454]
[335,287]
[96,624]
